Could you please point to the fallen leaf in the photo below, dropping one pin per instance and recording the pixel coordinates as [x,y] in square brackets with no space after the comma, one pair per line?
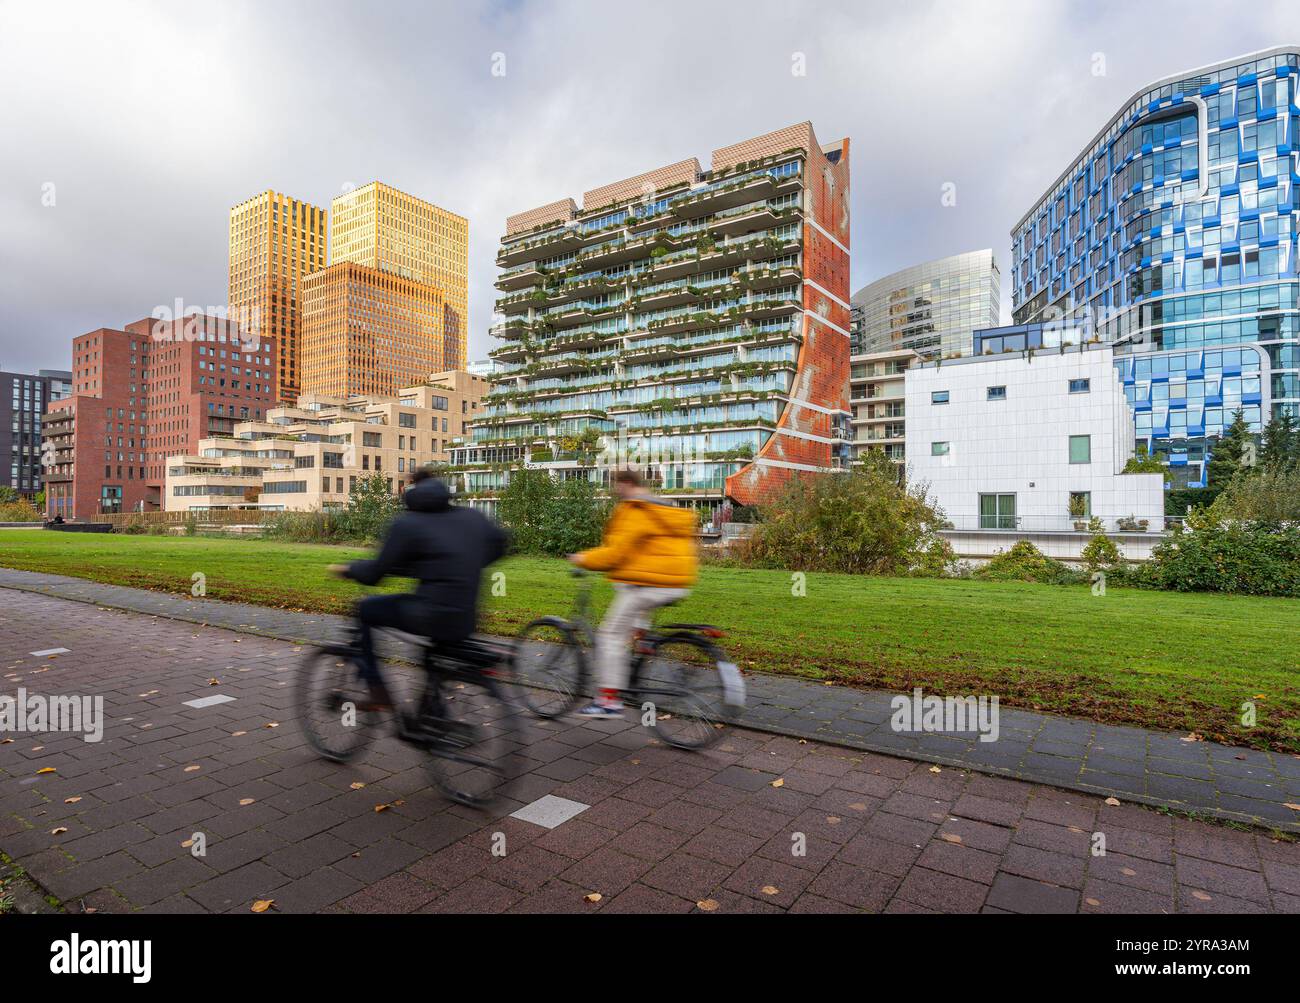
[46,769]
[770,890]
[1112,801]
[858,806]
[358,785]
[1092,901]
[593,897]
[779,782]
[935,769]
[71,800]
[187,843]
[191,769]
[6,741]
[59,831]
[246,801]
[1129,871]
[1193,737]
[1293,807]
[950,837]
[1202,896]
[236,734]
[214,681]
[273,724]
[261,905]
[707,905]
[833,819]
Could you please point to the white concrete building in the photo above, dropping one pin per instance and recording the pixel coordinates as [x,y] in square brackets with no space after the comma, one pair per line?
[1030,445]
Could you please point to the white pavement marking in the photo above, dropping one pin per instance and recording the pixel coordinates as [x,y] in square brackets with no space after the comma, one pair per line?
[550,811]
[50,651]
[211,701]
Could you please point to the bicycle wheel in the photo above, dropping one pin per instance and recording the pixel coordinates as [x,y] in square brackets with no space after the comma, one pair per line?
[468,749]
[549,666]
[680,678]
[329,695]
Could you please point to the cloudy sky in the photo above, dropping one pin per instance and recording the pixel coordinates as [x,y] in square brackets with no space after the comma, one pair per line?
[144,123]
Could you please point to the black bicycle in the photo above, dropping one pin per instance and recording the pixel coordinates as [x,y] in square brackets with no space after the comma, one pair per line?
[681,681]
[463,720]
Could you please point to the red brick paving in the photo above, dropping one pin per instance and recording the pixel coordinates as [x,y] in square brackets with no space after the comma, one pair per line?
[667,831]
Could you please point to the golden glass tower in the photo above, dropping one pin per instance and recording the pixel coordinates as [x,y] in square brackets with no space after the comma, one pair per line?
[275,243]
[386,229]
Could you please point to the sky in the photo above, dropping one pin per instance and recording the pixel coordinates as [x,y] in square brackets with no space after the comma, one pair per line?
[128,130]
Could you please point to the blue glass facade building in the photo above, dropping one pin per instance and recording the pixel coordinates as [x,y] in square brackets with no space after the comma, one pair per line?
[1174,236]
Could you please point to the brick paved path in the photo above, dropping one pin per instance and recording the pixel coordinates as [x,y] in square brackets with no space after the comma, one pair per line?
[1132,764]
[665,830]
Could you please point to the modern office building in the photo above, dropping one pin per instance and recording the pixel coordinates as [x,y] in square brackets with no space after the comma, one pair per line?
[23,399]
[369,332]
[275,242]
[311,455]
[142,393]
[876,395]
[1029,443]
[1173,236]
[388,230]
[696,319]
[930,308]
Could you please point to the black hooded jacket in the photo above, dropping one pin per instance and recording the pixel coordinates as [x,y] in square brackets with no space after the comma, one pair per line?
[445,546]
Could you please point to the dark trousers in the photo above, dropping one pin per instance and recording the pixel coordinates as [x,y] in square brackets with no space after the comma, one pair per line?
[403,611]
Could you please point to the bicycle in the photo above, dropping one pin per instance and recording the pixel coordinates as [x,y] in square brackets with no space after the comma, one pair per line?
[686,687]
[466,755]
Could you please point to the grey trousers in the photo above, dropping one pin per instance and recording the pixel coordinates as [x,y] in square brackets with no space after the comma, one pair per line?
[630,609]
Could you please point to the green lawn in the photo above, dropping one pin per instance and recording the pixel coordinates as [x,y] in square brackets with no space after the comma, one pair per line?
[1160,659]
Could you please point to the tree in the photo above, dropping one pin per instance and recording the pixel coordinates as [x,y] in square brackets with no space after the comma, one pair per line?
[8,495]
[1281,446]
[574,518]
[523,508]
[371,508]
[1227,452]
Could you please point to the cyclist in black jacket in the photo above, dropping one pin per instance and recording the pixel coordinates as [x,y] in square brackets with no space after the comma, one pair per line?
[444,546]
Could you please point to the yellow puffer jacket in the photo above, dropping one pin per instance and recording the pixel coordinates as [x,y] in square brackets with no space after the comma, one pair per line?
[647,542]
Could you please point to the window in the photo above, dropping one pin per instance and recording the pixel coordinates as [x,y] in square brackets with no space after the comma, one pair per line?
[938,449]
[1080,386]
[406,420]
[1081,504]
[372,439]
[939,397]
[1081,449]
[997,393]
[997,511]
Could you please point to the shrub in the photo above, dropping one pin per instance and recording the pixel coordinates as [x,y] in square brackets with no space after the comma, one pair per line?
[370,509]
[1270,495]
[546,516]
[1211,554]
[1101,553]
[19,510]
[861,522]
[1026,563]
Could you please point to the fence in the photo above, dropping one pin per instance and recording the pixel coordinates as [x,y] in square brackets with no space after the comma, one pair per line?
[212,517]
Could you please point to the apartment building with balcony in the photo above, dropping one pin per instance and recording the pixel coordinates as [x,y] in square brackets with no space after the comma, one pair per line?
[311,455]
[696,320]
[140,393]
[23,399]
[877,397]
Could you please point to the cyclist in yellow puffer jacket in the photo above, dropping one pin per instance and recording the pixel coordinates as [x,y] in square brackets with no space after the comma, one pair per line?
[649,552]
